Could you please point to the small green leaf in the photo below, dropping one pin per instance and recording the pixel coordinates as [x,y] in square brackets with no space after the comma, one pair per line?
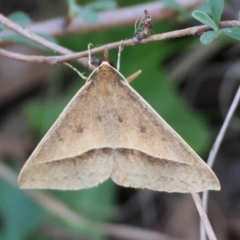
[88,14]
[73,8]
[172,4]
[232,32]
[208,37]
[102,5]
[24,20]
[42,115]
[20,18]
[19,213]
[205,19]
[13,37]
[216,7]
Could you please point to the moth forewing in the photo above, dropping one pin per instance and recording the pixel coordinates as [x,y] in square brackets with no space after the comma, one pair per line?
[109,130]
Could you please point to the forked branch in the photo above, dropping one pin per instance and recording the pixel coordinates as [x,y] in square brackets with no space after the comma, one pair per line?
[69,55]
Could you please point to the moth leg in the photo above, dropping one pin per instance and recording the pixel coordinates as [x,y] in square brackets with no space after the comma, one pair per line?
[81,75]
[120,48]
[90,65]
[133,76]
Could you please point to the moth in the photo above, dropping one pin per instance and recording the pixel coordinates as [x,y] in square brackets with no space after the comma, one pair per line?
[109,131]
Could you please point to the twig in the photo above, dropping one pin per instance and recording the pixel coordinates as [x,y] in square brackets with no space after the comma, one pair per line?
[192,31]
[105,20]
[37,39]
[216,147]
[109,19]
[59,209]
[203,216]
[127,232]
[222,132]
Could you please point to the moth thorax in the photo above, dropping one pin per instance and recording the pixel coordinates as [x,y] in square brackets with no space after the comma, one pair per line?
[105,71]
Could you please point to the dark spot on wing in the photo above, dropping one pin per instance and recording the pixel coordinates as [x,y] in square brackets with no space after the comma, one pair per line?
[79,129]
[58,136]
[120,119]
[99,118]
[106,150]
[125,151]
[143,129]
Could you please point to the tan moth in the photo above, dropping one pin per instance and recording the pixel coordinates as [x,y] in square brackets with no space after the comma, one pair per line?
[109,131]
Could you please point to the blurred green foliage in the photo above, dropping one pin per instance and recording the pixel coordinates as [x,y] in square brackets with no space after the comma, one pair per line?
[24,20]
[20,214]
[88,12]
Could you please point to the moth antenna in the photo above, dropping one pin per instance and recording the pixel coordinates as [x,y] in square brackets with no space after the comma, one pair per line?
[105,55]
[119,55]
[74,69]
[137,25]
[133,76]
[90,65]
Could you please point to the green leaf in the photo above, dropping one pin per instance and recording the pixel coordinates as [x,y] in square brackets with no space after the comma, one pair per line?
[216,7]
[232,32]
[87,201]
[14,37]
[208,37]
[102,5]
[42,115]
[89,12]
[20,18]
[205,19]
[20,214]
[24,20]
[73,8]
[172,4]
[88,15]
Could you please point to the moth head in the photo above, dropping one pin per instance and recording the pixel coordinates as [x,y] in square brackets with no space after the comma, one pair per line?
[98,61]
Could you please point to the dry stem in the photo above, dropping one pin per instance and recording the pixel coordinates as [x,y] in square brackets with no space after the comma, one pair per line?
[216,146]
[192,31]
[109,19]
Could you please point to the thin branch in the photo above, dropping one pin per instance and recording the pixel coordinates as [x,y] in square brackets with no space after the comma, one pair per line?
[222,132]
[106,19]
[109,19]
[192,31]
[60,210]
[216,146]
[203,216]
[37,39]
